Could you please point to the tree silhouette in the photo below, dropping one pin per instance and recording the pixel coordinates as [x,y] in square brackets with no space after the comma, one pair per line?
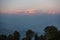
[58,36]
[51,32]
[41,37]
[29,34]
[24,38]
[10,37]
[3,37]
[16,35]
[36,36]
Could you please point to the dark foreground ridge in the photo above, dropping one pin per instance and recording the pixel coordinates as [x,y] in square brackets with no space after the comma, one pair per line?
[50,33]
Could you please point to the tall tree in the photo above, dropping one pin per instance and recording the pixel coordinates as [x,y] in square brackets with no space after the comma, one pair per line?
[36,36]
[16,35]
[29,34]
[51,32]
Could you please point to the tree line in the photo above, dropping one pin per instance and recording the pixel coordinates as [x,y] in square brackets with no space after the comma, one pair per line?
[50,33]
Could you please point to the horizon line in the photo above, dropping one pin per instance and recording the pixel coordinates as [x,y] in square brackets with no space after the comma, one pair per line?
[31,11]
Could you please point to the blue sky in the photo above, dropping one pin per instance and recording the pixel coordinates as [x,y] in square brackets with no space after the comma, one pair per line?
[30,4]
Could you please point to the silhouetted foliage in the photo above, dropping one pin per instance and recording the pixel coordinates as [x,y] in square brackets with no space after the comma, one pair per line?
[50,33]
[58,36]
[29,34]
[10,37]
[3,37]
[50,29]
[36,36]
[41,37]
[16,35]
[24,38]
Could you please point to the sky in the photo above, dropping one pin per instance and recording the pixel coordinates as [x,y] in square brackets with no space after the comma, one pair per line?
[31,6]
[35,22]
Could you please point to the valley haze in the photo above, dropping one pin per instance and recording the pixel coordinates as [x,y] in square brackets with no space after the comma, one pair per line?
[22,22]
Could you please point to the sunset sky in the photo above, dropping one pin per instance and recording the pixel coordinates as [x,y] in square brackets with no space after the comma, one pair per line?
[30,5]
[22,15]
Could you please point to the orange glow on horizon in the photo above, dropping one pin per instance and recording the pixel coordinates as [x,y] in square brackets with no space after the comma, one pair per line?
[30,11]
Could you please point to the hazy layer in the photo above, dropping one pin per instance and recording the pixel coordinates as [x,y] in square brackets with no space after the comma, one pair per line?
[11,22]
